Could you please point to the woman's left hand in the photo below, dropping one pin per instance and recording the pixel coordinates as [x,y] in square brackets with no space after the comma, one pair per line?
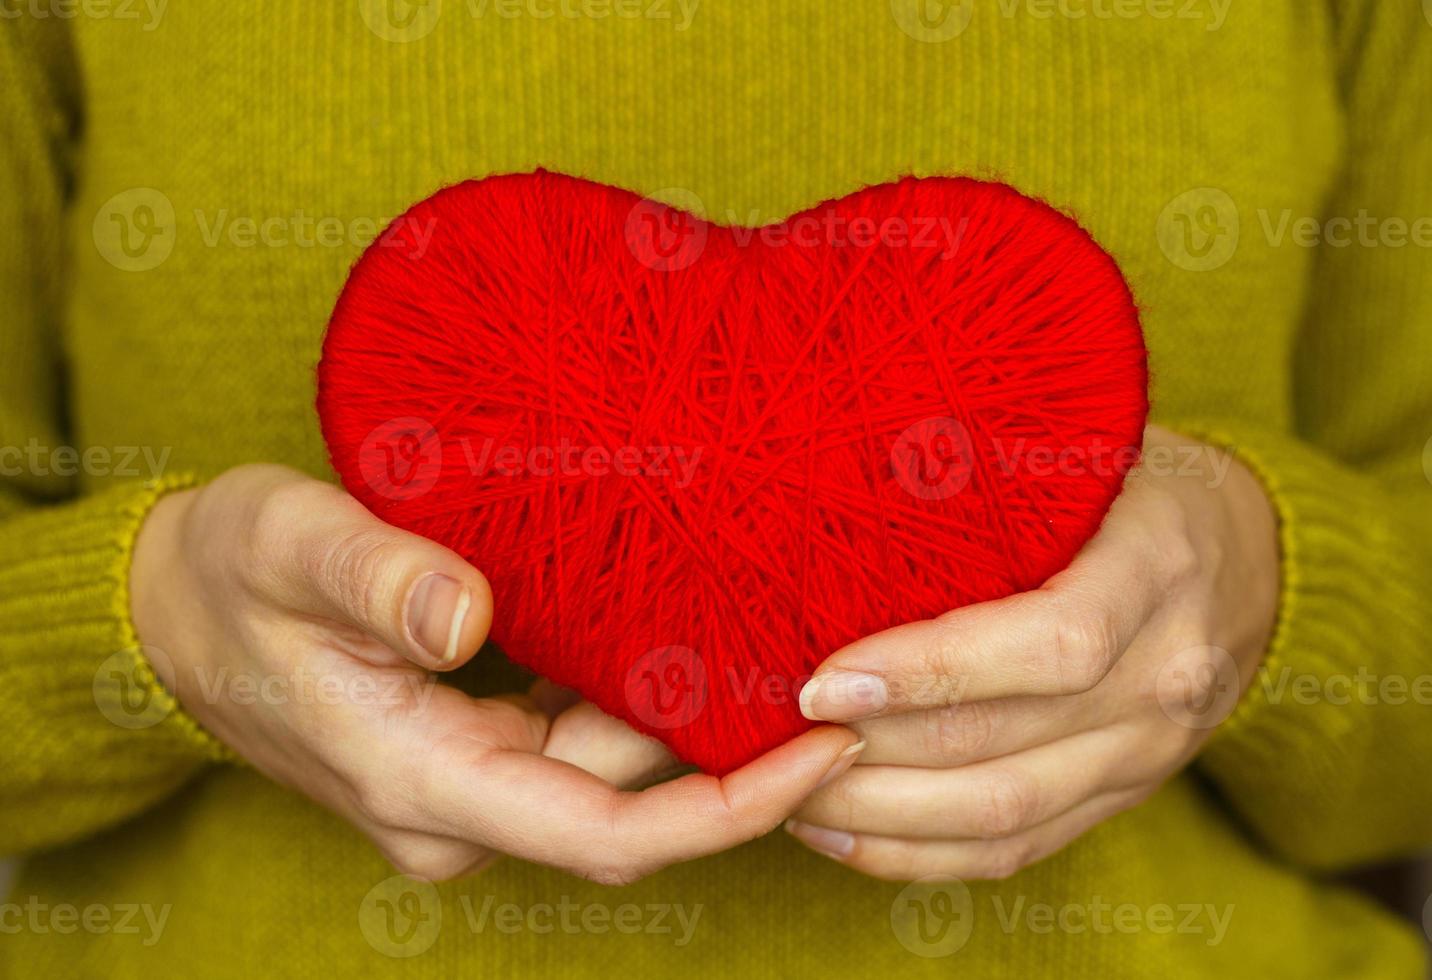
[999,732]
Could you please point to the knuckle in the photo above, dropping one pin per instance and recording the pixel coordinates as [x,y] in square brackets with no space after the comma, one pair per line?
[1004,860]
[885,868]
[1083,649]
[940,658]
[356,567]
[1182,561]
[612,875]
[275,526]
[836,802]
[433,863]
[958,733]
[1006,805]
[281,508]
[1167,512]
[376,804]
[1166,539]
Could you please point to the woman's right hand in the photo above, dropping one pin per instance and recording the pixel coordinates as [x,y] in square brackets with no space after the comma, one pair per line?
[302,631]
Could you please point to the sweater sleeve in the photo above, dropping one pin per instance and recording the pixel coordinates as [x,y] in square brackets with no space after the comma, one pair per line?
[90,736]
[1329,754]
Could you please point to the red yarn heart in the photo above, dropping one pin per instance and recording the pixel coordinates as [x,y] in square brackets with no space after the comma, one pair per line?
[695,460]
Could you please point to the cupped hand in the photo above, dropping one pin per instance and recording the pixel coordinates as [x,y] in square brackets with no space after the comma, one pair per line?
[999,732]
[303,632]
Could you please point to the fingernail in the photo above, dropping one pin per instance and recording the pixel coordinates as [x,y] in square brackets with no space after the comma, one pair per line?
[842,762]
[843,695]
[836,844]
[436,611]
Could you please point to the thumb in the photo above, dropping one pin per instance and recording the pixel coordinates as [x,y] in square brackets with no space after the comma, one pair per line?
[415,596]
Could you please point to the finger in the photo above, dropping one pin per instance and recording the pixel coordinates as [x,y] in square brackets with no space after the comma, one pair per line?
[330,557]
[505,800]
[987,800]
[1059,639]
[908,859]
[431,857]
[607,747]
[961,734]
[553,699]
[382,767]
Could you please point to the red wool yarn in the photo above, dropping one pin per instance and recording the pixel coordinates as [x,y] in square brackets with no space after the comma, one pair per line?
[695,460]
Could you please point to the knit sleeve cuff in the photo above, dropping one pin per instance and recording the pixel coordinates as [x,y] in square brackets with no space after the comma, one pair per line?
[1348,600]
[94,735]
[160,707]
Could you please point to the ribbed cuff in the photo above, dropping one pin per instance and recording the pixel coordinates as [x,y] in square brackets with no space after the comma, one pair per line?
[132,515]
[1349,597]
[94,733]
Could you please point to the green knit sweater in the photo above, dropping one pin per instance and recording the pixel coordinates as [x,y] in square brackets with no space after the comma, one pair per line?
[186,184]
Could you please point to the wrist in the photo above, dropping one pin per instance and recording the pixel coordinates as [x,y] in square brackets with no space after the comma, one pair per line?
[1253,565]
[155,577]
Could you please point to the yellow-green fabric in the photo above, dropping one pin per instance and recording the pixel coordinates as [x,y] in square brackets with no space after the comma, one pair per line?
[138,310]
